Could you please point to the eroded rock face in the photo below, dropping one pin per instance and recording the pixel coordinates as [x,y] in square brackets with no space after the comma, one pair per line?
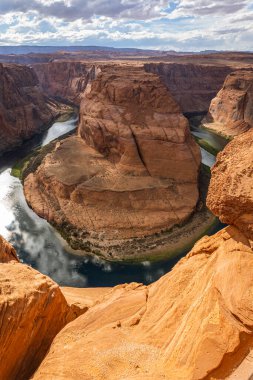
[231,111]
[7,252]
[32,311]
[230,195]
[193,86]
[195,321]
[24,110]
[65,80]
[131,172]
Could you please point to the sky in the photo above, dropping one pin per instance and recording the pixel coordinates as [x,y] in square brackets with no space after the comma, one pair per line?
[182,25]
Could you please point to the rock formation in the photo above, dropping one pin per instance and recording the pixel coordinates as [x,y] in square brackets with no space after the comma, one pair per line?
[65,80]
[193,86]
[7,252]
[231,111]
[32,311]
[230,195]
[24,110]
[131,172]
[194,323]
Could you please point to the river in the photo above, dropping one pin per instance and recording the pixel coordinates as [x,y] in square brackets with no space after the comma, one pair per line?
[39,245]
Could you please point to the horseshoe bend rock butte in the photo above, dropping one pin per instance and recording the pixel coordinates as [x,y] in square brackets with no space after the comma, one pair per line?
[131,172]
[194,323]
[231,111]
[24,110]
[230,194]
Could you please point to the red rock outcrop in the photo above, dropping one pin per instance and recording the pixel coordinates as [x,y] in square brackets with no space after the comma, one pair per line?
[131,172]
[65,80]
[194,323]
[230,194]
[231,111]
[32,311]
[7,252]
[193,86]
[24,110]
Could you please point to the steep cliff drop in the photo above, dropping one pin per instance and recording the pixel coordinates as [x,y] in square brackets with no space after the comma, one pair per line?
[132,171]
[231,111]
[24,110]
[193,86]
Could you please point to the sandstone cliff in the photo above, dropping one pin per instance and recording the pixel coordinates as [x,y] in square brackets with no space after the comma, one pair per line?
[230,195]
[7,252]
[24,110]
[65,80]
[194,323]
[193,86]
[231,111]
[131,172]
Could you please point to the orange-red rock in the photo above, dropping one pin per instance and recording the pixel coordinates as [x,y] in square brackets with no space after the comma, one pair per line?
[24,110]
[7,252]
[231,111]
[194,323]
[230,195]
[192,85]
[65,80]
[131,172]
[32,311]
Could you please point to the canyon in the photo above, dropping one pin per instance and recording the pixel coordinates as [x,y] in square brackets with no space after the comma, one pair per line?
[130,173]
[24,109]
[230,112]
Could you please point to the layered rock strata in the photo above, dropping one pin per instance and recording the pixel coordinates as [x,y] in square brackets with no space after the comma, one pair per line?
[193,86]
[65,80]
[231,111]
[131,172]
[194,323]
[24,110]
[230,194]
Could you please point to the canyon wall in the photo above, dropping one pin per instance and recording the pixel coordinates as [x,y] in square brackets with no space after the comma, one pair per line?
[24,110]
[132,171]
[65,80]
[193,86]
[231,111]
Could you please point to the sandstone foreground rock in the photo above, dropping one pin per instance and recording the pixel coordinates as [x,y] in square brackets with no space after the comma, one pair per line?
[194,322]
[231,111]
[131,172]
[32,311]
[7,252]
[230,194]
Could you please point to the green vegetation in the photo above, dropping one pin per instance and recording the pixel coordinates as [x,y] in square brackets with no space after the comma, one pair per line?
[206,145]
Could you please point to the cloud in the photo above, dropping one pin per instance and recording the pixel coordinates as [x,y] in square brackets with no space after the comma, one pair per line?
[86,9]
[157,24]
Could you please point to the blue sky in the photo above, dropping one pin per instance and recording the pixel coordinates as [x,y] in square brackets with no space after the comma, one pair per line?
[182,25]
